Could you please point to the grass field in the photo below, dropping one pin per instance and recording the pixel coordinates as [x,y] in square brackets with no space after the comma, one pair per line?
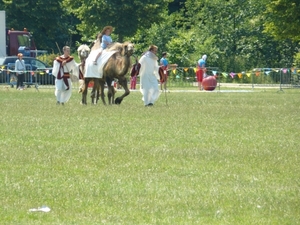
[203,158]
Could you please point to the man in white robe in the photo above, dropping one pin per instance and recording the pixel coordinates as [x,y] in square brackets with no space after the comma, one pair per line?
[149,76]
[62,66]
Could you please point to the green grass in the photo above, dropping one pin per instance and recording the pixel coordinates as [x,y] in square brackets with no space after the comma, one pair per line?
[205,158]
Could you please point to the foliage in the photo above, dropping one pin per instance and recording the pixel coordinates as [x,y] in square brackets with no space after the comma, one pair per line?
[47,20]
[297,60]
[283,18]
[205,158]
[183,47]
[159,34]
[240,36]
[237,35]
[126,16]
[48,59]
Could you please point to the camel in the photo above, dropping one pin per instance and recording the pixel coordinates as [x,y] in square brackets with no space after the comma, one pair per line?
[116,68]
[83,52]
[113,63]
[91,76]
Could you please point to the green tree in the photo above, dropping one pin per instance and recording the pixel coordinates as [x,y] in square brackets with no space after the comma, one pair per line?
[46,19]
[231,34]
[159,34]
[126,16]
[283,19]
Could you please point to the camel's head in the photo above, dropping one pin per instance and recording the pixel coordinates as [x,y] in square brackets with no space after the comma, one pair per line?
[83,51]
[128,48]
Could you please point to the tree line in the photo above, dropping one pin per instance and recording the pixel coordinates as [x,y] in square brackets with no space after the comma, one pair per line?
[237,35]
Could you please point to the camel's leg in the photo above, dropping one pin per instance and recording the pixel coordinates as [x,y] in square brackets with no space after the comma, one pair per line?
[84,93]
[111,94]
[109,90]
[123,82]
[95,95]
[98,91]
[101,87]
[112,90]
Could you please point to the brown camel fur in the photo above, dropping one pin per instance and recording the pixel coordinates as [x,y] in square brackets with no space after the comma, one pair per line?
[116,68]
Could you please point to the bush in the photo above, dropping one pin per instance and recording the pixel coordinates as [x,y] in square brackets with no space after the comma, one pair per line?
[48,59]
[297,60]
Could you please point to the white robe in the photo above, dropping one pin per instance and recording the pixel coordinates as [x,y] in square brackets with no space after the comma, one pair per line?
[148,78]
[62,94]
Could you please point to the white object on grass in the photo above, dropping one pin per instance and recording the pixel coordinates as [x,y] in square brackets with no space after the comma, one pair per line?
[41,209]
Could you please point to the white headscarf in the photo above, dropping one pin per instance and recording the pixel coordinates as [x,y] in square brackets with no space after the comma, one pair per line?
[204,57]
[151,55]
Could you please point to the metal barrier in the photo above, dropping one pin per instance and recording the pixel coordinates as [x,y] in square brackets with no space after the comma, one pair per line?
[277,77]
[186,76]
[33,76]
[11,76]
[178,77]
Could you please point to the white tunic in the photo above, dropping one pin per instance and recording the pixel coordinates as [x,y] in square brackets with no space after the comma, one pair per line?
[148,78]
[61,92]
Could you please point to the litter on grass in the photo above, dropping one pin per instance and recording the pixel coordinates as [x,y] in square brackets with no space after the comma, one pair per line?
[40,209]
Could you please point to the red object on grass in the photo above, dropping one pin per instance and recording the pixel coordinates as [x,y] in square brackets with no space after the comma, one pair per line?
[209,83]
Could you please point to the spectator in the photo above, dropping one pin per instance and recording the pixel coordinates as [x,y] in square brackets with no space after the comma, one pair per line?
[20,68]
[134,73]
[165,66]
[133,82]
[201,71]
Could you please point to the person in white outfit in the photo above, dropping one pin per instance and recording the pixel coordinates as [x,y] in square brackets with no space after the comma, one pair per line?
[149,76]
[62,66]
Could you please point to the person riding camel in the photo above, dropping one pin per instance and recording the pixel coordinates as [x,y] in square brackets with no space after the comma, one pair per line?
[105,40]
